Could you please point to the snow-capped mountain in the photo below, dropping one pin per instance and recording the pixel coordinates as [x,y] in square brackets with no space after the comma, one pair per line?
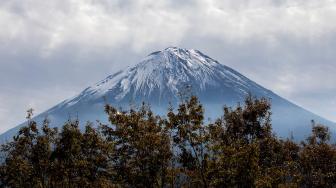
[161,76]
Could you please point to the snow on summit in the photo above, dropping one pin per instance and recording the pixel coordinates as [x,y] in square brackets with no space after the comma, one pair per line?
[159,77]
[167,71]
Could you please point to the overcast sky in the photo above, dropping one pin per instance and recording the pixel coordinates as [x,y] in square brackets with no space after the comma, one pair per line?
[51,49]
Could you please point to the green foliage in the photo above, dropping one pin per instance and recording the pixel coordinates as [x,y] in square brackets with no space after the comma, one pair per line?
[141,149]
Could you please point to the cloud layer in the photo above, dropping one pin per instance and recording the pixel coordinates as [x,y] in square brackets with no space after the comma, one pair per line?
[50,50]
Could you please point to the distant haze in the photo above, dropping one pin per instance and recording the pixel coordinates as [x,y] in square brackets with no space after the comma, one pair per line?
[50,50]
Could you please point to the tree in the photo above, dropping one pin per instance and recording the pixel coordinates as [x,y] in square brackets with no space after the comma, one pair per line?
[17,169]
[141,147]
[67,155]
[96,151]
[241,145]
[41,152]
[318,159]
[191,140]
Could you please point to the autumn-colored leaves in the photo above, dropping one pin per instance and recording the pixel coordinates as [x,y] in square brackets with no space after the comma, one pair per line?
[141,149]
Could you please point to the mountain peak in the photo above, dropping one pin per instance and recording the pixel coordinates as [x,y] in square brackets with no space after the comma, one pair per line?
[170,50]
[161,76]
[173,48]
[179,51]
[172,56]
[164,73]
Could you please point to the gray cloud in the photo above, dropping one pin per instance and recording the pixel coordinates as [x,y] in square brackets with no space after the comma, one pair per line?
[50,50]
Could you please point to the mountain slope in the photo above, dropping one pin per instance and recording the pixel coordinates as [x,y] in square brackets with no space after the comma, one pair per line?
[158,79]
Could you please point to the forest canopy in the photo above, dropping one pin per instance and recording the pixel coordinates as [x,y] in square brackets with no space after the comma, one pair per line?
[141,149]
